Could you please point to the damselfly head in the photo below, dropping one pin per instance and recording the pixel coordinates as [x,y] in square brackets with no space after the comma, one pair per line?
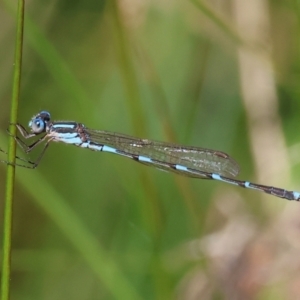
[38,122]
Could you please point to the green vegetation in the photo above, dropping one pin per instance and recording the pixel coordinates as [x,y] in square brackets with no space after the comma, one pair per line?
[92,225]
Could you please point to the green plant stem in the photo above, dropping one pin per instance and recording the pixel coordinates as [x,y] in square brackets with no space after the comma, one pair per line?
[8,211]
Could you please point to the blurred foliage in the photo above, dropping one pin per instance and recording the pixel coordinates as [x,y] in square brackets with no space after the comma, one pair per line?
[92,225]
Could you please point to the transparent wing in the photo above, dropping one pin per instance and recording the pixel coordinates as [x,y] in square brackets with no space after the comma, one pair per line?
[164,155]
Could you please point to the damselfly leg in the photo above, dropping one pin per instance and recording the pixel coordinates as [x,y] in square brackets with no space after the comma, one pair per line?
[27,148]
[29,166]
[189,161]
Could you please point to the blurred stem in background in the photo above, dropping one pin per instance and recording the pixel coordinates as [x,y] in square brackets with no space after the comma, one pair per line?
[258,88]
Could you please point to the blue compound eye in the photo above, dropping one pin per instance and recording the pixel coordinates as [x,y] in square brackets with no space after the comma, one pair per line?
[38,122]
[37,125]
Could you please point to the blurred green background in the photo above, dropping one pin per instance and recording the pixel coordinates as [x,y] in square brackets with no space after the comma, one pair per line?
[93,225]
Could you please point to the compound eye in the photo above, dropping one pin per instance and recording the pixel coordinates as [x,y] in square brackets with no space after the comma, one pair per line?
[37,125]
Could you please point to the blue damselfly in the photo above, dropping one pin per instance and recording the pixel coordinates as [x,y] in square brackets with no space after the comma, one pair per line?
[189,161]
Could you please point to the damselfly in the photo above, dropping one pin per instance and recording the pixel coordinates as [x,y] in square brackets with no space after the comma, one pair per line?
[189,161]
